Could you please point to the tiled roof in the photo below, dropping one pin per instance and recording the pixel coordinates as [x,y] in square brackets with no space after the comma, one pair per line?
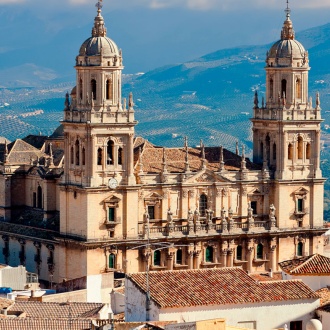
[266,277]
[312,265]
[36,309]
[44,324]
[324,295]
[21,152]
[5,303]
[217,286]
[152,159]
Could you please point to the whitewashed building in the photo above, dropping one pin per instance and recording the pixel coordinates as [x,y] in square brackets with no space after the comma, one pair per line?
[230,293]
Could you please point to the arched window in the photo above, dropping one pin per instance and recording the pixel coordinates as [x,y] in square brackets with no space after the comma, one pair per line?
[39,197]
[308,151]
[209,254]
[109,89]
[179,257]
[300,147]
[271,88]
[93,87]
[239,252]
[274,151]
[112,259]
[261,151]
[77,152]
[99,156]
[300,246]
[83,156]
[290,151]
[268,147]
[72,155]
[283,88]
[260,251]
[157,258]
[120,156]
[298,89]
[80,89]
[202,205]
[110,147]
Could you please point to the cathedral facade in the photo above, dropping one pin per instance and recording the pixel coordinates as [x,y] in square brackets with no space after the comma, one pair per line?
[95,198]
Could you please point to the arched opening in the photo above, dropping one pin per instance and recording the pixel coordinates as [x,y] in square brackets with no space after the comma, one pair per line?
[120,156]
[239,252]
[274,151]
[202,205]
[109,89]
[83,156]
[39,197]
[260,251]
[93,87]
[110,147]
[290,151]
[298,89]
[99,156]
[209,254]
[300,147]
[80,89]
[300,246]
[157,258]
[268,147]
[271,88]
[261,151]
[72,155]
[179,257]
[308,151]
[283,88]
[77,152]
[112,259]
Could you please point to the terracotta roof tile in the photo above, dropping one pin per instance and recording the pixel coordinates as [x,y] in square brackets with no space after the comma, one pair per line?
[37,309]
[43,324]
[152,159]
[324,295]
[217,286]
[312,265]
[266,277]
[5,303]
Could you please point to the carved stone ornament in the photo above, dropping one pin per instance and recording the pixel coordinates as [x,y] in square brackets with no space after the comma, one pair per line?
[191,193]
[184,193]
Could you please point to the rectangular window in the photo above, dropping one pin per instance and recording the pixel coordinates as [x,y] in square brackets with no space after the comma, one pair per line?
[151,212]
[111,214]
[254,207]
[247,324]
[299,205]
[296,325]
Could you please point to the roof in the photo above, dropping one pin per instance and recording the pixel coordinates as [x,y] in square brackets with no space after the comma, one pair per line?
[37,309]
[313,265]
[217,286]
[266,276]
[37,141]
[42,324]
[152,159]
[5,303]
[324,295]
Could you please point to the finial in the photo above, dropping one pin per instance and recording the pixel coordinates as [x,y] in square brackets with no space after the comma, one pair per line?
[6,152]
[237,151]
[51,159]
[256,100]
[185,142]
[140,161]
[99,6]
[243,162]
[287,10]
[287,30]
[164,162]
[130,102]
[318,102]
[222,163]
[99,29]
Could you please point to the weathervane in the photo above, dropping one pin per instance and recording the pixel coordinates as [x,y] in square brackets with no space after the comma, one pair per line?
[287,10]
[99,5]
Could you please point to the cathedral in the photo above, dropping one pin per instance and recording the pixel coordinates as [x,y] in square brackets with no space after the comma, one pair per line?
[94,198]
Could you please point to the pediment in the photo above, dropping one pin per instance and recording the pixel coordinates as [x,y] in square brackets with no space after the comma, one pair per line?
[255,191]
[153,196]
[112,200]
[301,191]
[205,176]
[36,171]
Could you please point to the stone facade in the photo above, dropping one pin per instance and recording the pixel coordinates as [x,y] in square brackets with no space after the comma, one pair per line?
[120,203]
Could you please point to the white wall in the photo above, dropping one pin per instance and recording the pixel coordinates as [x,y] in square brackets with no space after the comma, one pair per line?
[325,319]
[268,315]
[314,282]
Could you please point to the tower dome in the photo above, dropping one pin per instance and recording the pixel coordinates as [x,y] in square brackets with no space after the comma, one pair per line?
[287,52]
[99,44]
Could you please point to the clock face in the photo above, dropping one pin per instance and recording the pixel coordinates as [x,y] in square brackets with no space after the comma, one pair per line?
[113,183]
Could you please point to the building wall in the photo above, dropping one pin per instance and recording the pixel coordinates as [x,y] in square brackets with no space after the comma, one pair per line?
[314,282]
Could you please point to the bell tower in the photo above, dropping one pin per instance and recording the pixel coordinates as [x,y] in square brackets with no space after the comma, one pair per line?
[98,123]
[286,133]
[286,128]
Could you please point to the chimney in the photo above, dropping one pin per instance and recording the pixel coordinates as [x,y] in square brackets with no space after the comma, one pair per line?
[4,311]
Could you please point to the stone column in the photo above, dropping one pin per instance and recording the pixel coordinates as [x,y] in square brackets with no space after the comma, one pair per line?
[130,165]
[190,259]
[230,257]
[224,257]
[317,156]
[250,252]
[106,255]
[170,256]
[197,259]
[272,253]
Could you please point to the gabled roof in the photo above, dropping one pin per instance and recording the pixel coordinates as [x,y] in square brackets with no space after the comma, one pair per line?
[21,152]
[313,265]
[217,286]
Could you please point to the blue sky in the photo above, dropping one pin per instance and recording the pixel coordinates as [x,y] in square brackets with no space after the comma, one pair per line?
[151,33]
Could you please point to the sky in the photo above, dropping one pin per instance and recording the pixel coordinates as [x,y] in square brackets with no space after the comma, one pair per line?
[152,33]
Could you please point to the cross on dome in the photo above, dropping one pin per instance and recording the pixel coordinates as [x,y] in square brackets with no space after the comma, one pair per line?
[287,10]
[99,5]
